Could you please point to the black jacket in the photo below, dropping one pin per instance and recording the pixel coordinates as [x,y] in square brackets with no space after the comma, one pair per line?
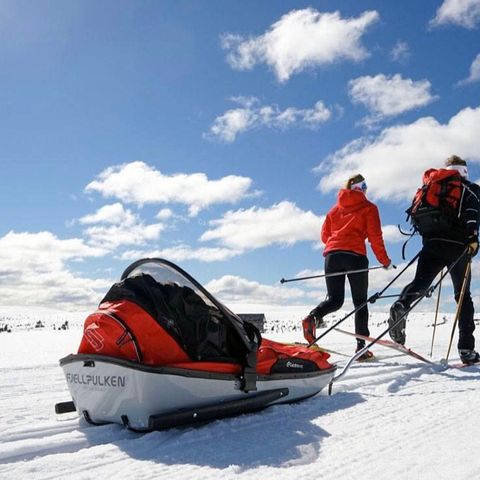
[470,208]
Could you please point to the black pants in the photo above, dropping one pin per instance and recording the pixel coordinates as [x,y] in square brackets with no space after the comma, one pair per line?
[341,261]
[435,255]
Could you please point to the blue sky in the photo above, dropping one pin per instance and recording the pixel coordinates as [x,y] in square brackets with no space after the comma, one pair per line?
[217,133]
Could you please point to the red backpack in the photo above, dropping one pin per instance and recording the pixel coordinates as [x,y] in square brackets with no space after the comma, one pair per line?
[436,207]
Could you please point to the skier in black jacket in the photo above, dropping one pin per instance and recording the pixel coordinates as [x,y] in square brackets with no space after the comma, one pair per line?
[441,249]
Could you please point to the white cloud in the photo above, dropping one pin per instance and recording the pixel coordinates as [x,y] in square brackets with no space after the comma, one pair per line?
[24,248]
[181,253]
[252,115]
[138,183]
[389,96]
[231,288]
[392,234]
[394,161]
[465,13]
[247,229]
[164,214]
[114,236]
[244,230]
[112,226]
[301,39]
[34,271]
[378,279]
[474,72]
[113,214]
[400,52]
[233,122]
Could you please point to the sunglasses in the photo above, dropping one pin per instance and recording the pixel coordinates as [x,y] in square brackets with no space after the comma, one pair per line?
[360,186]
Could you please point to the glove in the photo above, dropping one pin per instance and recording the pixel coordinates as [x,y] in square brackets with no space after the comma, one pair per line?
[472,247]
[389,266]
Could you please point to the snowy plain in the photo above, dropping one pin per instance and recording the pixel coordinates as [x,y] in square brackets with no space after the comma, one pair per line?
[394,418]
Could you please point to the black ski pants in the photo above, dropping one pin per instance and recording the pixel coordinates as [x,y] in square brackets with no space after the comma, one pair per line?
[435,255]
[343,261]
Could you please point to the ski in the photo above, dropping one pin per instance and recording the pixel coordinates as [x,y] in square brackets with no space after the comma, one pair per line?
[461,365]
[376,358]
[408,351]
[320,349]
[389,344]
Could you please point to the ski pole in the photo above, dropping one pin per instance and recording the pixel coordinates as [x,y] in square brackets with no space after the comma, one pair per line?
[426,293]
[335,274]
[371,299]
[436,316]
[459,306]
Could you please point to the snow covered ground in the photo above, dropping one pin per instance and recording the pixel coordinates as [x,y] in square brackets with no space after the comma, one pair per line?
[395,418]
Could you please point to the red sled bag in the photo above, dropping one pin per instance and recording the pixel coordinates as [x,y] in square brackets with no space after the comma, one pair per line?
[167,324]
[436,207]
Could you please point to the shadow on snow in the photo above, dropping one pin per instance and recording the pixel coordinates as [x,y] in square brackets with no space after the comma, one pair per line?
[282,435]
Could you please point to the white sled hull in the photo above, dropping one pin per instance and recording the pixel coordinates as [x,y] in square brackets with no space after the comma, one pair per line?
[121,392]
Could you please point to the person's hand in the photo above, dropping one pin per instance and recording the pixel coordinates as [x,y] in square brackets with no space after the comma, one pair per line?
[473,246]
[389,266]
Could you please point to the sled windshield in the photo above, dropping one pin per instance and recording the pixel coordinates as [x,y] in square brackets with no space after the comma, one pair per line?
[167,292]
[166,273]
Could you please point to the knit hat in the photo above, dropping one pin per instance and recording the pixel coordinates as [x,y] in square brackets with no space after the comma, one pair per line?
[455,160]
[356,182]
[456,163]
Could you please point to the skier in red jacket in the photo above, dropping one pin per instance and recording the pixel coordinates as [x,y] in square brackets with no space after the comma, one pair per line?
[347,225]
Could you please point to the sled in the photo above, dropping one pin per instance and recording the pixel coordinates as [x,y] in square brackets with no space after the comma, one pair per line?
[161,352]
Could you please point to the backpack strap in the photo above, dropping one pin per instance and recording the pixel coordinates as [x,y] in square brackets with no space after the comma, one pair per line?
[405,243]
[406,234]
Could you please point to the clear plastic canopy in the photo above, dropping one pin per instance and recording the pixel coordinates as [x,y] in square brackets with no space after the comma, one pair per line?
[168,273]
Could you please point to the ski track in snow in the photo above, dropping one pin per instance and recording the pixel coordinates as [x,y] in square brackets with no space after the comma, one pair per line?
[394,418]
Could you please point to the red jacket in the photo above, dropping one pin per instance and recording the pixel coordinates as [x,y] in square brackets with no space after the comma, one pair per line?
[350,222]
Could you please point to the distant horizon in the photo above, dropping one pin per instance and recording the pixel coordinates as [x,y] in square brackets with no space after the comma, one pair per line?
[270,311]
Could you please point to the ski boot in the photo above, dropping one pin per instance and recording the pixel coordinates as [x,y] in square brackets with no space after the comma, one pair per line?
[397,332]
[365,357]
[469,357]
[309,325]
